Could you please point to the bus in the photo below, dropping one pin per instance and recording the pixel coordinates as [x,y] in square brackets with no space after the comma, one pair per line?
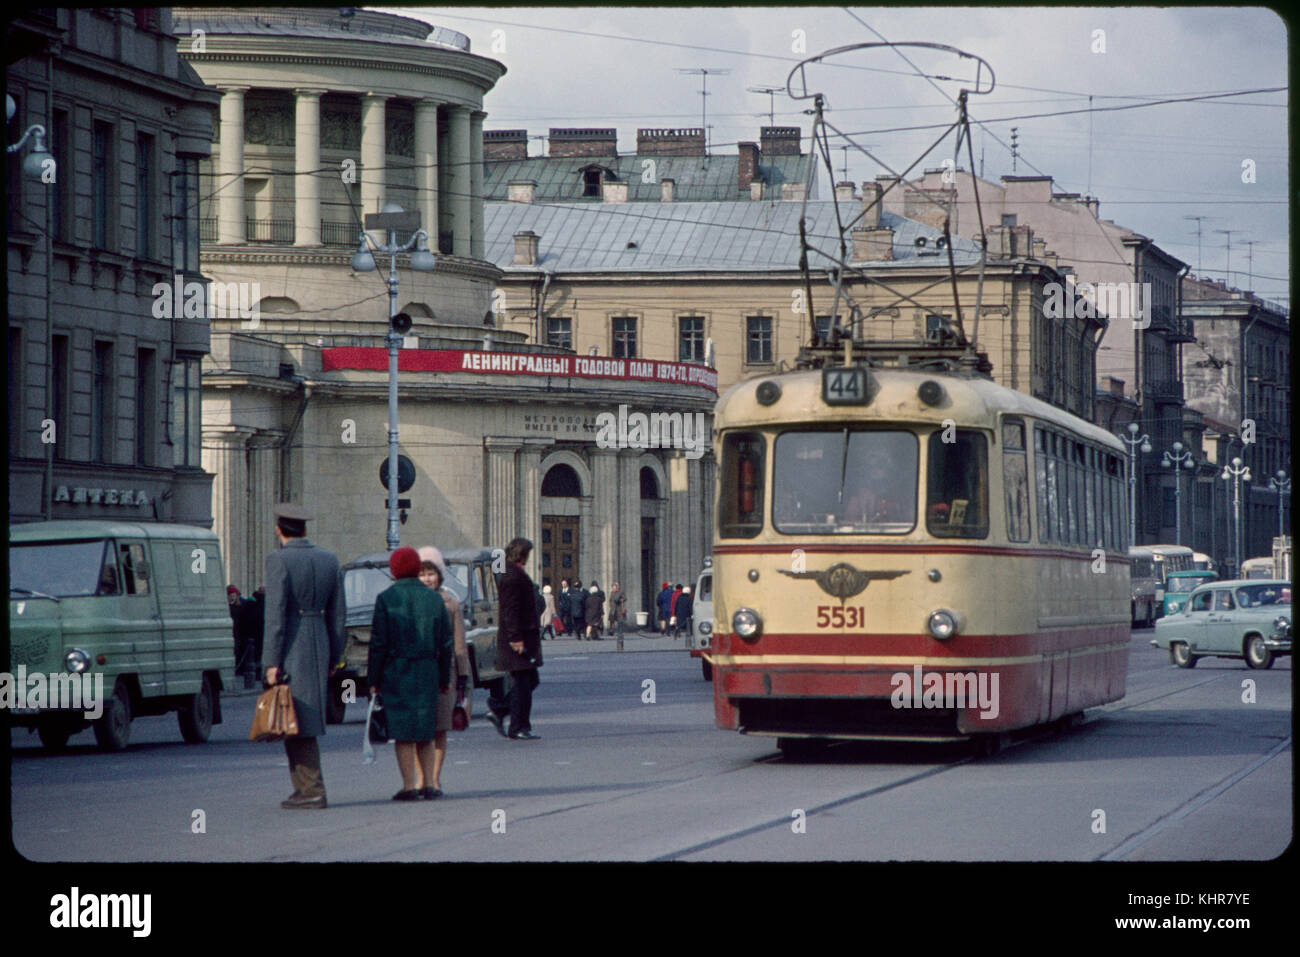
[904,554]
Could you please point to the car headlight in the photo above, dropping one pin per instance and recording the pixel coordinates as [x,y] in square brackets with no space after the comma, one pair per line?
[76,661]
[706,628]
[1282,623]
[943,624]
[1175,606]
[746,623]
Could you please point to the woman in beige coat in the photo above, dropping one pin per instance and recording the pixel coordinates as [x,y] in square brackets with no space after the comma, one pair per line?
[433,572]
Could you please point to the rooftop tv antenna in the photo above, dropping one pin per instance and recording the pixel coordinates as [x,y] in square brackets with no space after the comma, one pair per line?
[771,92]
[1227,278]
[704,73]
[1198,219]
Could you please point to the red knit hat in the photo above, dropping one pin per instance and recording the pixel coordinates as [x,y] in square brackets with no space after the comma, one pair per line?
[404,563]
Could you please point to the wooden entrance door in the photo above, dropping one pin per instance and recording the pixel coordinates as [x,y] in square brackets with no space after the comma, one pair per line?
[559,549]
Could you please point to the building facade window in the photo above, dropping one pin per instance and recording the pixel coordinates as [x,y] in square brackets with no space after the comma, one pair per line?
[824,326]
[61,191]
[145,190]
[16,389]
[624,337]
[758,339]
[146,406]
[559,332]
[186,411]
[185,214]
[690,339]
[101,185]
[101,403]
[58,397]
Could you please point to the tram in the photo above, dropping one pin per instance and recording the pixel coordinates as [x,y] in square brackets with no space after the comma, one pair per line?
[911,554]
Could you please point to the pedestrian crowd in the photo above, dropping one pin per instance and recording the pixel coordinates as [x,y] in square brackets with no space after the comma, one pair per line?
[292,631]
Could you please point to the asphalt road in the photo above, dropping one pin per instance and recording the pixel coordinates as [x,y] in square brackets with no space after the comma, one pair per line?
[1181,769]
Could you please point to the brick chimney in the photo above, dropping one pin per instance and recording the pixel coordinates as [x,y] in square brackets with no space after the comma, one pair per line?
[574,141]
[505,144]
[872,245]
[1040,249]
[779,140]
[613,192]
[844,192]
[526,248]
[670,142]
[521,190]
[931,206]
[747,167]
[871,205]
[793,192]
[667,190]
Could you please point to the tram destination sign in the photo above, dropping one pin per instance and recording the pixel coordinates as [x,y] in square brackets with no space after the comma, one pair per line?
[845,385]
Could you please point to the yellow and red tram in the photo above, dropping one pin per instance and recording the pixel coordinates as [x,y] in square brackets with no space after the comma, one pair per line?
[913,555]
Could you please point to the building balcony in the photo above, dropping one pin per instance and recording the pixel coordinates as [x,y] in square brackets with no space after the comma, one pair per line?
[269,230]
[1166,390]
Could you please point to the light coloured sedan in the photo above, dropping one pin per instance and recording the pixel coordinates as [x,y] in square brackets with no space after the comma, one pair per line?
[1248,619]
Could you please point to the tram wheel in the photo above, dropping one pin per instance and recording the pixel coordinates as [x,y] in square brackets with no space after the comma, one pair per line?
[799,749]
[987,745]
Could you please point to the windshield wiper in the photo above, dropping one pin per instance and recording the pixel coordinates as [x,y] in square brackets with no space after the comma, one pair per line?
[32,592]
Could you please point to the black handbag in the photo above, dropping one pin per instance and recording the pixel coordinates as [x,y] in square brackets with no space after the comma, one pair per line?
[378,728]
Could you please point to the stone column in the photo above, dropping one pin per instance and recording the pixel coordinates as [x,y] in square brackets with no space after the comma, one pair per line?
[528,503]
[223,456]
[628,570]
[679,520]
[604,529]
[459,185]
[232,228]
[502,519]
[586,540]
[374,152]
[699,532]
[263,493]
[426,167]
[476,184]
[306,159]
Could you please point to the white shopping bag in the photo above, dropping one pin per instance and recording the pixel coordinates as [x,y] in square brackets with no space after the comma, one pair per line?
[368,749]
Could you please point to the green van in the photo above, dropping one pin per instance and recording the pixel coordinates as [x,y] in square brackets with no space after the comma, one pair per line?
[143,605]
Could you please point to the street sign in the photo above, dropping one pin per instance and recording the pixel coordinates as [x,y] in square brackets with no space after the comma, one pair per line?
[405,473]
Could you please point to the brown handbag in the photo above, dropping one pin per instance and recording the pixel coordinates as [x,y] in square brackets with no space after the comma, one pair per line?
[274,718]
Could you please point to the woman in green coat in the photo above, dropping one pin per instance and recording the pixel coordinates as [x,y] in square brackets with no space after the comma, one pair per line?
[410,662]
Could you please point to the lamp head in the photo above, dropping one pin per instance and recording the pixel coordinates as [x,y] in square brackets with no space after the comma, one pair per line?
[1146,446]
[421,259]
[363,260]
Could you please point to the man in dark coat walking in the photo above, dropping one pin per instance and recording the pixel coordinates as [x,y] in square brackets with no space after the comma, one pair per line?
[519,644]
[304,637]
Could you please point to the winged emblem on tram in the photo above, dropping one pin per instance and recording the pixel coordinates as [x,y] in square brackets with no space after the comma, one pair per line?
[843,581]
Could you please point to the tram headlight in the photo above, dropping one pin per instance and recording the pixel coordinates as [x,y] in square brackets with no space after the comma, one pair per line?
[706,628]
[746,623]
[76,661]
[943,624]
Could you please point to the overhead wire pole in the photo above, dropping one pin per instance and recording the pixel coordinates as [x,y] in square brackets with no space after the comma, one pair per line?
[704,73]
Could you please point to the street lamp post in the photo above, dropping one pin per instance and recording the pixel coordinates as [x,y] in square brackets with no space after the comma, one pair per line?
[392,219]
[1174,458]
[1238,473]
[1133,442]
[1282,485]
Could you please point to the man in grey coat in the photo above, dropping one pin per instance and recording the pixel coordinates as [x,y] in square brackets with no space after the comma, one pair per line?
[304,634]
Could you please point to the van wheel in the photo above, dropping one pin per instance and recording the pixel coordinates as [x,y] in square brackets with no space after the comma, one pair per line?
[54,735]
[707,669]
[1181,655]
[1256,653]
[334,706]
[195,717]
[113,729]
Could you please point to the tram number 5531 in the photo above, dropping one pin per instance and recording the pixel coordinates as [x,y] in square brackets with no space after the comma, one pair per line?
[832,616]
[844,385]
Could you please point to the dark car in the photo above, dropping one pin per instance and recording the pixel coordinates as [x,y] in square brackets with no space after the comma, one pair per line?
[469,577]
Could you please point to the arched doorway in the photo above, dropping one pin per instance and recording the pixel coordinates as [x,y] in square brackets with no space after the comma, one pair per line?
[560,551]
[649,556]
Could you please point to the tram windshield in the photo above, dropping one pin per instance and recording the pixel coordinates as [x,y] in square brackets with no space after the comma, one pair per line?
[845,482]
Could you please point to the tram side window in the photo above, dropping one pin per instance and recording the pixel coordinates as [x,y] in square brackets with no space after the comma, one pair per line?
[1015,480]
[1040,482]
[957,486]
[741,511]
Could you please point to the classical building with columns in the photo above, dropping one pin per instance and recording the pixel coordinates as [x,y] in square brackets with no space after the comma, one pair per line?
[328,114]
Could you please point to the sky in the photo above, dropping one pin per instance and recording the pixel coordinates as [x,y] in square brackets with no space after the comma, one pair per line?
[1151,167]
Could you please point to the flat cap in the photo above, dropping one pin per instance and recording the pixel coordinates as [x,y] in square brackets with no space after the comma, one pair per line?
[292,511]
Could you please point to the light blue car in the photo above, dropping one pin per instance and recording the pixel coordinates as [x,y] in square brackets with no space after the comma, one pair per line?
[1248,619]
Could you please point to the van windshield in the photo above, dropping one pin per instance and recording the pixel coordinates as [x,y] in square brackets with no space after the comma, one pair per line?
[63,569]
